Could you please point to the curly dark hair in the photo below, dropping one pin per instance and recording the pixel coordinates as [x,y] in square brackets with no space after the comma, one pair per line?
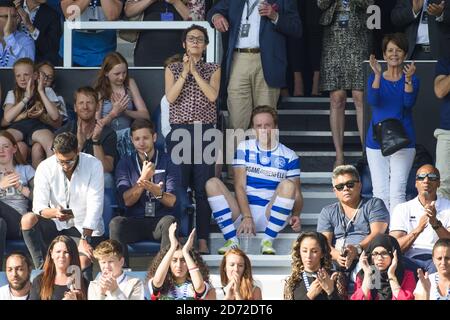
[297,264]
[169,281]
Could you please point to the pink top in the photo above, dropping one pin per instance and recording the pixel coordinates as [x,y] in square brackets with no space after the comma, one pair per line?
[406,290]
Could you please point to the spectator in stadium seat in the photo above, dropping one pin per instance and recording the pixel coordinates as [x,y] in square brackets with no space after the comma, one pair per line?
[42,24]
[420,222]
[436,286]
[67,200]
[192,88]
[120,100]
[16,190]
[31,111]
[382,275]
[18,273]
[14,44]
[391,95]
[427,26]
[351,223]
[311,277]
[267,186]
[89,47]
[442,134]
[113,283]
[256,59]
[236,277]
[53,282]
[146,53]
[179,272]
[345,31]
[146,183]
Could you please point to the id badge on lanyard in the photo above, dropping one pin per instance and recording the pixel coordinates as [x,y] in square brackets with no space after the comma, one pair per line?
[167,16]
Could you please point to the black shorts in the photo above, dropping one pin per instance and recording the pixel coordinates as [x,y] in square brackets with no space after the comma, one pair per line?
[27,127]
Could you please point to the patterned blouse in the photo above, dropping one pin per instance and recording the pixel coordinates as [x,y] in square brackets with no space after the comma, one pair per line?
[192,104]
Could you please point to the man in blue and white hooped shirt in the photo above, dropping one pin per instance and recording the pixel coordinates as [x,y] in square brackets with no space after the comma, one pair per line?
[267,187]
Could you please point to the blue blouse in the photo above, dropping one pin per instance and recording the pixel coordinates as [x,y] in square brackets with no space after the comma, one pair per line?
[391,101]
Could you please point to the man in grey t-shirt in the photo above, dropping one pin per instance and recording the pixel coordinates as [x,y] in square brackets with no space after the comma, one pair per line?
[352,222]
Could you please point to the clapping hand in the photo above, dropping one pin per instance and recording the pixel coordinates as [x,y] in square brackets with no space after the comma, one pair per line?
[119,103]
[375,65]
[436,9]
[189,243]
[424,281]
[409,70]
[325,281]
[393,266]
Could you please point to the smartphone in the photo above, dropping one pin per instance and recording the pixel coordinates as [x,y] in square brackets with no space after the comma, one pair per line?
[67,212]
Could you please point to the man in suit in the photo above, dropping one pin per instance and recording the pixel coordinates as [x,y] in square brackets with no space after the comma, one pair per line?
[42,24]
[256,59]
[427,26]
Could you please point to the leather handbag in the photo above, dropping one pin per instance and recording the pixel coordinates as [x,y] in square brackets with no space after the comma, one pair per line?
[391,136]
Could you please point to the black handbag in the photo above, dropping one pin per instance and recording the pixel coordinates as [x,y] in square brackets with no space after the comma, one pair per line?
[391,136]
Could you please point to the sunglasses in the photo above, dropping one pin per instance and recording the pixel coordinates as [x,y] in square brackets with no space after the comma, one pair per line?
[431,176]
[349,184]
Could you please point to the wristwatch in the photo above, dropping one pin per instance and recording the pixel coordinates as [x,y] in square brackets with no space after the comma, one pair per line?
[87,238]
[160,196]
[96,142]
[358,249]
[437,225]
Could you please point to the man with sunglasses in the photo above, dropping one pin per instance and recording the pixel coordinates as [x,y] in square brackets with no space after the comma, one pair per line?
[420,222]
[351,223]
[14,44]
[67,200]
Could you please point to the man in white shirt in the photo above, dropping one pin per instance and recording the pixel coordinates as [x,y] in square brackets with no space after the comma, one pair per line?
[18,272]
[67,200]
[420,222]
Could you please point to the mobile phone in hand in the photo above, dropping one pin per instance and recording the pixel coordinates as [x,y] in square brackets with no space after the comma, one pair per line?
[67,212]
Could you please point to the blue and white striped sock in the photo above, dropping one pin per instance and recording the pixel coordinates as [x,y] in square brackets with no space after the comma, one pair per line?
[222,214]
[281,209]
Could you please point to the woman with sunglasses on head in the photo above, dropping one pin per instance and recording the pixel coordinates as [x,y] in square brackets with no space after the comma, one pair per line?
[311,277]
[436,286]
[192,88]
[391,95]
[383,276]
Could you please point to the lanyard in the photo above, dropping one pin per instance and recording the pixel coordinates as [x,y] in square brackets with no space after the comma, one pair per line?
[352,219]
[175,293]
[305,279]
[438,295]
[250,9]
[346,4]
[140,170]
[5,57]
[67,192]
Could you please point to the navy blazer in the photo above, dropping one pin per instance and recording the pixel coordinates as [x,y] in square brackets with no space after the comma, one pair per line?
[272,37]
[47,44]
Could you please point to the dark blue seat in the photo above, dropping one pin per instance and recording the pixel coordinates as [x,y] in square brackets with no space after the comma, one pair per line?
[143,248]
[15,245]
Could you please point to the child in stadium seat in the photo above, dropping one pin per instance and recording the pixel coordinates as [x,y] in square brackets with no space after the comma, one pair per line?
[113,283]
[30,108]
[121,101]
[311,277]
[236,277]
[179,273]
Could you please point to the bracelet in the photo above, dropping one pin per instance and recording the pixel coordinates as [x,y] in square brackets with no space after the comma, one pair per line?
[246,217]
[193,269]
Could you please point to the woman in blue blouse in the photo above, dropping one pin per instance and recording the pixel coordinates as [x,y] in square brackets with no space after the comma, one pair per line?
[391,94]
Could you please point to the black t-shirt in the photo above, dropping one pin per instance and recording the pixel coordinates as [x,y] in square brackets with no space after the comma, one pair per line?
[58,291]
[155,46]
[108,140]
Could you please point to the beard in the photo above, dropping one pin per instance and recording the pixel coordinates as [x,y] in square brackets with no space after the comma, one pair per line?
[19,285]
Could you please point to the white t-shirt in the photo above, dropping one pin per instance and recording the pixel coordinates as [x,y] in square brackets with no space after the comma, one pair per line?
[5,294]
[51,95]
[406,218]
[434,292]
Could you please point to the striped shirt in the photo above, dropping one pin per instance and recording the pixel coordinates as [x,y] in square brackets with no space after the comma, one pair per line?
[265,169]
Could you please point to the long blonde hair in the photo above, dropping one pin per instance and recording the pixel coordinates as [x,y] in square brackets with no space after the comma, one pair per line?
[246,286]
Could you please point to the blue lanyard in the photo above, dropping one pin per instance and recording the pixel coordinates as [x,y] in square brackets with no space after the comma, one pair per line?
[250,9]
[346,4]
[94,4]
[306,281]
[5,57]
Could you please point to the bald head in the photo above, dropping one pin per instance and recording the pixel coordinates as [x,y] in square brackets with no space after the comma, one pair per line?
[428,168]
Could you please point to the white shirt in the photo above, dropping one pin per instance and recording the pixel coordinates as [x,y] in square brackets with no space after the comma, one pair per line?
[434,293]
[51,95]
[17,45]
[406,218]
[85,190]
[422,31]
[252,41]
[129,289]
[5,294]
